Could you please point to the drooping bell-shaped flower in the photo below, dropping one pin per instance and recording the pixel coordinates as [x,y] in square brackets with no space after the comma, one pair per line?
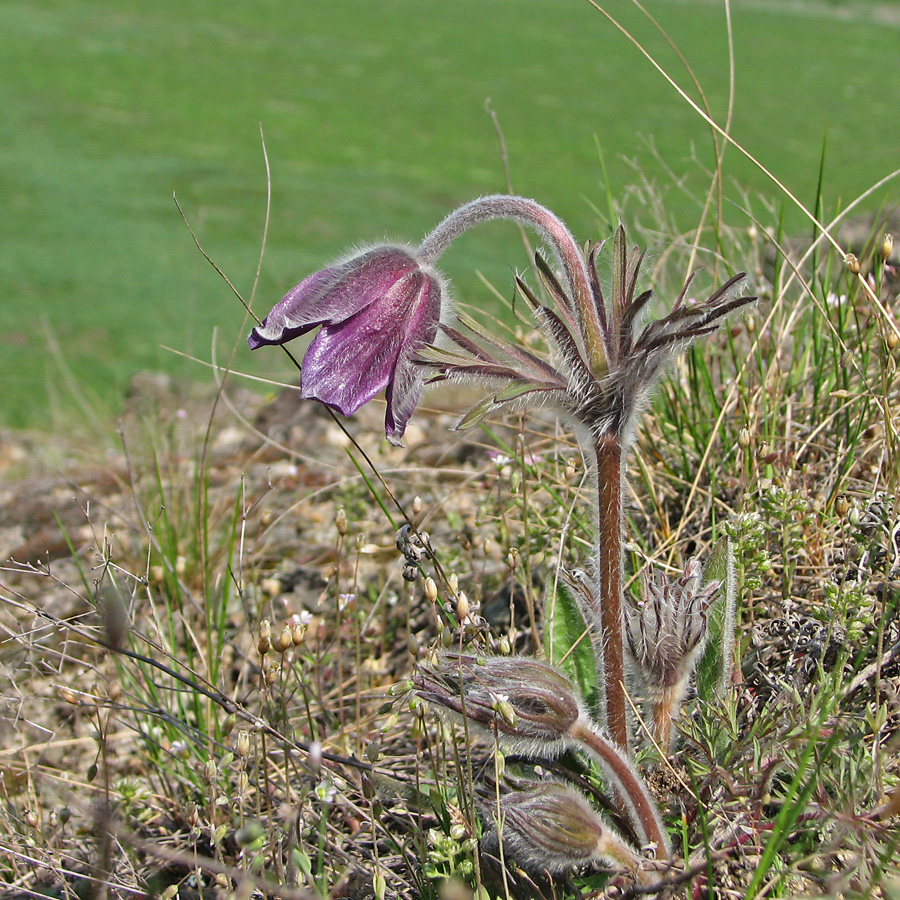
[377,309]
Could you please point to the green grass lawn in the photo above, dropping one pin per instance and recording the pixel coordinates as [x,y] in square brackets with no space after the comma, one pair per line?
[375,126]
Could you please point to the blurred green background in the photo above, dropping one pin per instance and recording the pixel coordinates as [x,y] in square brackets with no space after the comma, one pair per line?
[375,126]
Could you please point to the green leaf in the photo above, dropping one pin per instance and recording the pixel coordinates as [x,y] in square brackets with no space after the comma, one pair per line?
[568,642]
[714,668]
[476,414]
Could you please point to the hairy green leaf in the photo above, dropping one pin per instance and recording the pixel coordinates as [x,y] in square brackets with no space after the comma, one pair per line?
[714,668]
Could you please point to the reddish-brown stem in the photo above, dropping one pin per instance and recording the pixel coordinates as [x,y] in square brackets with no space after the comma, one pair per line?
[632,794]
[609,579]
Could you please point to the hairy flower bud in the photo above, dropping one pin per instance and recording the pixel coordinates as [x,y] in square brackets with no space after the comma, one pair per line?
[666,633]
[552,828]
[529,704]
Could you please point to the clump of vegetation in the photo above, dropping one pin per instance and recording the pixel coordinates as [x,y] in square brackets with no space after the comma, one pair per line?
[220,669]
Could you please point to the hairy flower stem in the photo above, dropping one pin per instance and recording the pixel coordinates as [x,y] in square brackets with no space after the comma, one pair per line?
[609,457]
[631,793]
[518,209]
[665,711]
[558,238]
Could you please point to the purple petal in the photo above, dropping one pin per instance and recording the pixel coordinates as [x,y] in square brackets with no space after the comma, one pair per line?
[349,362]
[405,389]
[334,295]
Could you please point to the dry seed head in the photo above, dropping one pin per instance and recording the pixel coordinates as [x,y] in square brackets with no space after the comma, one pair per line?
[68,696]
[272,675]
[891,340]
[210,771]
[265,637]
[462,606]
[852,263]
[887,247]
[453,583]
[284,641]
[512,558]
[340,521]
[744,438]
[298,632]
[242,747]
[431,591]
[841,506]
[417,506]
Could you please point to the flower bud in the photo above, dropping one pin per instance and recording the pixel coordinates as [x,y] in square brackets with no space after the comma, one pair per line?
[530,704]
[431,591]
[243,744]
[852,263]
[887,247]
[340,521]
[744,438]
[841,506]
[665,635]
[462,606]
[315,756]
[666,631]
[553,828]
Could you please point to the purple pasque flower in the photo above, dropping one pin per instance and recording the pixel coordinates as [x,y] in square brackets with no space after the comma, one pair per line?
[377,309]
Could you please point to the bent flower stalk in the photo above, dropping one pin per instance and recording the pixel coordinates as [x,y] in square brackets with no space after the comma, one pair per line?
[387,324]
